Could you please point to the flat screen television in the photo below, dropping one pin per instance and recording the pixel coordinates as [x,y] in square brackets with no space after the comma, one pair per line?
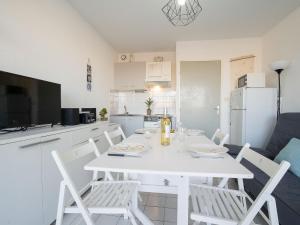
[27,102]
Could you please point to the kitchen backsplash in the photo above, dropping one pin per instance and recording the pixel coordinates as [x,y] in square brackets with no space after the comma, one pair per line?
[135,102]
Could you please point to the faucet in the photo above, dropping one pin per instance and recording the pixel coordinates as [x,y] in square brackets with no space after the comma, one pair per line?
[125,108]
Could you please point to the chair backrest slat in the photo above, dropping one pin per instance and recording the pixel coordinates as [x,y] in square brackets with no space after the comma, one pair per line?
[79,152]
[264,164]
[114,134]
[220,136]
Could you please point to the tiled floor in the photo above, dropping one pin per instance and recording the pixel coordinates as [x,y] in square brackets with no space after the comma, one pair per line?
[160,208]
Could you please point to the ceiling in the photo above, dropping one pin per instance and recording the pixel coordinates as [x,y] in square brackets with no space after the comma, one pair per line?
[140,25]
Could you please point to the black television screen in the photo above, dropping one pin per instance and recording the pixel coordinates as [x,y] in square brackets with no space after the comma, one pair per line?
[26,101]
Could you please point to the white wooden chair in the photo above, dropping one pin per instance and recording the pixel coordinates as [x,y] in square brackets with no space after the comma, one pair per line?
[221,137]
[110,136]
[108,175]
[105,197]
[214,205]
[224,182]
[118,133]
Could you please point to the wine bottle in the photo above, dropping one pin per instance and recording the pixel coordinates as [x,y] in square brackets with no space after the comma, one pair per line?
[165,129]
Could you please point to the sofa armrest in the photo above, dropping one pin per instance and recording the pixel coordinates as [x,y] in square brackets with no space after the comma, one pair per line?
[234,150]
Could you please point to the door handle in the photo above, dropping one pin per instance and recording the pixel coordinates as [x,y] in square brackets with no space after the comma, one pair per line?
[95,129]
[217,108]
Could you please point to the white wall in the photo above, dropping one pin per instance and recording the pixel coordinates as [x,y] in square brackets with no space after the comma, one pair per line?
[223,50]
[283,42]
[49,40]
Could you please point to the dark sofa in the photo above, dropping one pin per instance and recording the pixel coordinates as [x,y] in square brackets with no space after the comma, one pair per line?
[287,193]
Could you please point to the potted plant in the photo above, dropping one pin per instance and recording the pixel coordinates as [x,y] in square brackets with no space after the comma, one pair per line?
[102,114]
[149,103]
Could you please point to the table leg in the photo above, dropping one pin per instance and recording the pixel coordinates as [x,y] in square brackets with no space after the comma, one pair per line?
[183,201]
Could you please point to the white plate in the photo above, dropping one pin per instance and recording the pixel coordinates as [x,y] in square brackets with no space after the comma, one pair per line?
[144,130]
[128,148]
[193,132]
[205,149]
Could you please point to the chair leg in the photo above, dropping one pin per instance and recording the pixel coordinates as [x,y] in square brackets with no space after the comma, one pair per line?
[61,202]
[272,209]
[131,218]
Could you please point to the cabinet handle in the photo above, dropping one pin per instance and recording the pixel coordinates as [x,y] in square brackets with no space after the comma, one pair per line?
[97,140]
[30,145]
[86,141]
[39,143]
[51,140]
[95,129]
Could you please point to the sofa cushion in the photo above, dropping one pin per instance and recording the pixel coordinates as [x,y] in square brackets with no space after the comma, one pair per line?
[287,127]
[287,191]
[234,150]
[291,153]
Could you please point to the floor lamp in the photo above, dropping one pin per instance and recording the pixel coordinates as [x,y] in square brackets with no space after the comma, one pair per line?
[279,67]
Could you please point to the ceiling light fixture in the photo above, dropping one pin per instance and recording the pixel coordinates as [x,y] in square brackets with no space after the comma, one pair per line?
[181,2]
[182,12]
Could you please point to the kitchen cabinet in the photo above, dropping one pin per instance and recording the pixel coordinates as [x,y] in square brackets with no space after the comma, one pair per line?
[51,176]
[130,76]
[158,71]
[133,123]
[129,123]
[30,179]
[21,183]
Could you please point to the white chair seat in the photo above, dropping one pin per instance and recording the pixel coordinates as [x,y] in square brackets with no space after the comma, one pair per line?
[109,196]
[222,206]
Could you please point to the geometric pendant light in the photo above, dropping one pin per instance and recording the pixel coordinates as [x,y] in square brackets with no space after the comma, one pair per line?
[182,12]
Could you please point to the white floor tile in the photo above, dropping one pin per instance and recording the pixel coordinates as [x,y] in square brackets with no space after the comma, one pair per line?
[154,213]
[171,203]
[170,215]
[156,201]
[122,222]
[168,223]
[107,220]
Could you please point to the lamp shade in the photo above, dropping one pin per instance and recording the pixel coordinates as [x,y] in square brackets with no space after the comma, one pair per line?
[280,65]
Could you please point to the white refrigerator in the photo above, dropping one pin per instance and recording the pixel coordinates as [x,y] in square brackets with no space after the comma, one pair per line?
[252,116]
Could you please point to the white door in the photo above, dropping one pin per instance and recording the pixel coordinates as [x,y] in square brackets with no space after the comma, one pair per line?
[200,84]
[237,126]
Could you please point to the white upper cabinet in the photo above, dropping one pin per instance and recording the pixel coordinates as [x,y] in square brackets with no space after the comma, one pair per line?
[158,71]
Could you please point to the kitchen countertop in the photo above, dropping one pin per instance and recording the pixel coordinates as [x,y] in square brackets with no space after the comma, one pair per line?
[127,114]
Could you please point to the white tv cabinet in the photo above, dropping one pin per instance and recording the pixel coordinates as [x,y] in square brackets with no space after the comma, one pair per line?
[29,178]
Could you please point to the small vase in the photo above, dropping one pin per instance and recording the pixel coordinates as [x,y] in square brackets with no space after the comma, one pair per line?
[148,112]
[103,118]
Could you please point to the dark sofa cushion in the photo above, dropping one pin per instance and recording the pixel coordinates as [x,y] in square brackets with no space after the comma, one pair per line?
[287,193]
[234,150]
[287,127]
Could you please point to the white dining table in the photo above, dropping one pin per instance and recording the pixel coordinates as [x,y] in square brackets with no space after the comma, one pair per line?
[168,169]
